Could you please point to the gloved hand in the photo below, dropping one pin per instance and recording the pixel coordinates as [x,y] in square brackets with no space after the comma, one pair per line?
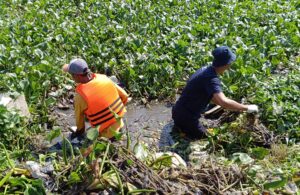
[79,136]
[252,108]
[77,133]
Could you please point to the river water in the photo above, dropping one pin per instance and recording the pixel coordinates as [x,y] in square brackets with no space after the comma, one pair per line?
[150,124]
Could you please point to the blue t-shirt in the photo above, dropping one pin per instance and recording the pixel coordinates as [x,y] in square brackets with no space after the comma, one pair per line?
[198,92]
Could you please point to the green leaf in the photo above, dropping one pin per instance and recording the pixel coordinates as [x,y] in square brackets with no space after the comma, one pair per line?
[233,88]
[39,53]
[242,158]
[163,161]
[129,162]
[254,169]
[4,179]
[100,146]
[93,134]
[140,151]
[117,135]
[38,184]
[35,188]
[276,184]
[130,187]
[74,178]
[111,178]
[259,153]
[53,134]
[30,190]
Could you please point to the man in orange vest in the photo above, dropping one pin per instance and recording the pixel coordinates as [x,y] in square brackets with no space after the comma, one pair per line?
[98,99]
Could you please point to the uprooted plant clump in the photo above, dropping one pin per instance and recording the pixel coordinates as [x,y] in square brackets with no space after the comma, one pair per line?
[248,126]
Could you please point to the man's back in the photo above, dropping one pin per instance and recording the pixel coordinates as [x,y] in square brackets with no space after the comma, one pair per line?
[198,91]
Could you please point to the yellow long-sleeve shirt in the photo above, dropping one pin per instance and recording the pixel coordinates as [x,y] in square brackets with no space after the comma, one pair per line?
[80,106]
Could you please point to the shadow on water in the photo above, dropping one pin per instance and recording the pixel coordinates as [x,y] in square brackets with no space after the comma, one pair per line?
[153,125]
[171,139]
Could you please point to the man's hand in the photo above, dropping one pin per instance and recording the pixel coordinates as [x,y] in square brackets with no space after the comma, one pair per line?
[77,133]
[129,99]
[252,108]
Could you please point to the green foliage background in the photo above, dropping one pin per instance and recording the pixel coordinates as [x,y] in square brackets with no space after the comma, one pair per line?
[152,46]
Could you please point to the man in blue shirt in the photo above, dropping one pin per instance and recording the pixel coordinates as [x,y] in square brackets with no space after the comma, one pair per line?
[205,86]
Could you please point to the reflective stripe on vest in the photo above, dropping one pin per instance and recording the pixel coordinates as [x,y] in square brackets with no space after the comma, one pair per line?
[109,111]
[92,115]
[103,101]
[113,115]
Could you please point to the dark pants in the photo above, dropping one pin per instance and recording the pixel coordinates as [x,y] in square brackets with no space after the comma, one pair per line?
[188,124]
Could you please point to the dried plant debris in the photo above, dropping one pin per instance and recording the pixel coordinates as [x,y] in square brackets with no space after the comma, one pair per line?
[210,178]
[138,173]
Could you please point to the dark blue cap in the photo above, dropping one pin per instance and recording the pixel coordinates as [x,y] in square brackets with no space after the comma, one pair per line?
[223,56]
[77,66]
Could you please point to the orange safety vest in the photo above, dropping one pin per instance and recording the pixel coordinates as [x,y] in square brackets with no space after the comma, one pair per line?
[103,101]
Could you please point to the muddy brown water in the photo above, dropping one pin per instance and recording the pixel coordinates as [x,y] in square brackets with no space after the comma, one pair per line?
[148,123]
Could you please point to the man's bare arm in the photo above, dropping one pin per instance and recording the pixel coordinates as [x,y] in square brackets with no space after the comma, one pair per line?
[223,101]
